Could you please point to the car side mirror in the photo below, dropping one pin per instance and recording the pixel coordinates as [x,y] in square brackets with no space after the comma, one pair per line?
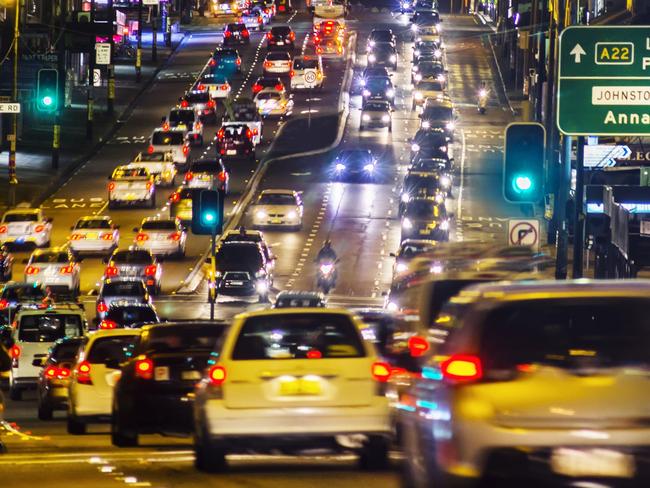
[112,364]
[39,362]
[392,255]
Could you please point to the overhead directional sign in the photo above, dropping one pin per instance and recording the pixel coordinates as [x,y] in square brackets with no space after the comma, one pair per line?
[603,156]
[604,81]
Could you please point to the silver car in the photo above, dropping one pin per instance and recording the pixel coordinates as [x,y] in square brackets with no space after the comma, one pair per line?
[135,263]
[132,290]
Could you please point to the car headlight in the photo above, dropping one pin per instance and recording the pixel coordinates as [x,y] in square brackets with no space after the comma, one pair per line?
[385,118]
[444,225]
[292,214]
[390,93]
[365,117]
[415,147]
[340,167]
[437,53]
[261,286]
[415,68]
[362,82]
[260,214]
[407,224]
[439,198]
[369,167]
[443,149]
[441,78]
[371,43]
[418,95]
[445,181]
[401,267]
[450,126]
[436,269]
[393,58]
[414,28]
[406,4]
[366,93]
[418,77]
[426,124]
[416,52]
[405,197]
[372,58]
[482,93]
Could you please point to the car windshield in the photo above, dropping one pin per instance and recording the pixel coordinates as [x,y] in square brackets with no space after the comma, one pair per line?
[376,107]
[437,113]
[268,96]
[276,199]
[298,336]
[48,327]
[381,36]
[302,63]
[132,257]
[181,117]
[93,224]
[51,257]
[113,348]
[198,97]
[23,293]
[410,250]
[165,338]
[280,31]
[354,157]
[571,333]
[415,182]
[429,86]
[65,352]
[239,256]
[165,138]
[383,49]
[428,165]
[423,208]
[377,83]
[123,288]
[429,67]
[375,71]
[130,315]
[159,225]
[428,17]
[20,217]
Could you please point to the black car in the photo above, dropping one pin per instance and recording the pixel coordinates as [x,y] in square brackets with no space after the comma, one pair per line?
[235,142]
[236,33]
[381,35]
[155,387]
[280,37]
[383,54]
[439,114]
[15,295]
[202,103]
[207,174]
[427,49]
[419,185]
[359,164]
[429,143]
[242,272]
[425,218]
[294,299]
[378,88]
[427,67]
[127,314]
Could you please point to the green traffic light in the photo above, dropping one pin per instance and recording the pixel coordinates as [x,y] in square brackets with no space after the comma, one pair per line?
[47,100]
[521,183]
[209,217]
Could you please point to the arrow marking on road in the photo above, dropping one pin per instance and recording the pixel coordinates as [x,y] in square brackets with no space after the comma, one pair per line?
[578,52]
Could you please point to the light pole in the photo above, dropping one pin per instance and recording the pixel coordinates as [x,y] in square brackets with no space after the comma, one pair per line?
[13,180]
[138,51]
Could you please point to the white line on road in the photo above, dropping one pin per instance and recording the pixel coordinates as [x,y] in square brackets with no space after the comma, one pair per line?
[459,208]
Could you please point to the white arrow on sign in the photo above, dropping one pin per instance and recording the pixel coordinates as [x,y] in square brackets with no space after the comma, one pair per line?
[578,52]
[603,156]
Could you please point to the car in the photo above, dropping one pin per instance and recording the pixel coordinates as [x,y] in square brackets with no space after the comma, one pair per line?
[15,295]
[6,263]
[272,82]
[370,72]
[225,62]
[160,164]
[131,184]
[526,371]
[156,387]
[421,185]
[271,103]
[429,143]
[425,218]
[307,73]
[126,314]
[428,68]
[235,141]
[207,174]
[242,272]
[383,54]
[24,225]
[278,208]
[248,235]
[379,36]
[217,85]
[254,19]
[287,377]
[137,263]
[55,268]
[378,88]
[172,140]
[97,370]
[296,299]
[236,33]
[280,37]
[188,119]
[284,6]
[180,204]
[408,250]
[277,63]
[35,331]
[431,165]
[161,236]
[376,114]
[424,20]
[122,290]
[225,8]
[428,48]
[54,378]
[439,114]
[202,103]
[427,90]
[329,42]
[245,111]
[93,234]
[354,164]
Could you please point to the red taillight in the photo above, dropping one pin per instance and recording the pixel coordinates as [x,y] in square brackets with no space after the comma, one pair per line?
[3,228]
[212,62]
[150,149]
[150,270]
[314,354]
[292,73]
[200,87]
[111,186]
[165,126]
[222,176]
[380,372]
[66,270]
[281,8]
[144,369]
[249,133]
[101,307]
[176,236]
[268,64]
[238,60]
[30,270]
[221,133]
[141,237]
[186,149]
[14,351]
[107,324]
[211,104]
[292,36]
[418,346]
[256,88]
[83,373]
[107,237]
[319,50]
[227,34]
[279,87]
[110,271]
[224,87]
[4,304]
[149,185]
[188,176]
[76,237]
[462,367]
[245,34]
[50,372]
[175,197]
[217,375]
[260,20]
[39,228]
[185,104]
[269,36]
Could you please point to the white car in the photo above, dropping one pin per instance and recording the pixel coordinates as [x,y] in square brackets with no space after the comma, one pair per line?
[161,236]
[186,118]
[292,374]
[54,267]
[271,103]
[277,63]
[172,140]
[255,19]
[160,165]
[90,394]
[131,184]
[25,225]
[94,234]
[307,73]
[278,208]
[217,86]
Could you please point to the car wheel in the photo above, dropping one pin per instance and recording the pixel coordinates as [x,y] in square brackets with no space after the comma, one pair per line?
[75,426]
[15,393]
[121,436]
[45,411]
[209,457]
[374,455]
[419,467]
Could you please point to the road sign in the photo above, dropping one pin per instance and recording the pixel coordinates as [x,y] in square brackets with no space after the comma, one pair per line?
[644,228]
[10,108]
[604,81]
[523,232]
[102,53]
[150,2]
[604,156]
[97,77]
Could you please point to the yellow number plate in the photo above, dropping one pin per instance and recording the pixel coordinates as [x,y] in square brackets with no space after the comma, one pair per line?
[300,387]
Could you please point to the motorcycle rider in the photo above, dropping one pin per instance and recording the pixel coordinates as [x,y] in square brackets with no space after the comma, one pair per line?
[326,253]
[483,96]
[326,260]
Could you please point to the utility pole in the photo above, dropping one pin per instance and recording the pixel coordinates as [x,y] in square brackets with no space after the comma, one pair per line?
[138,51]
[110,69]
[579,217]
[13,180]
[154,35]
[61,65]
[90,78]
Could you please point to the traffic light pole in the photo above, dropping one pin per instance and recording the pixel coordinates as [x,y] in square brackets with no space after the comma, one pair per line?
[13,180]
[560,208]
[91,79]
[154,35]
[56,140]
[579,215]
[110,69]
[213,267]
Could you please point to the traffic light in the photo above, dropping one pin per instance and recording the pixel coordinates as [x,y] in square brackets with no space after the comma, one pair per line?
[207,212]
[47,90]
[523,162]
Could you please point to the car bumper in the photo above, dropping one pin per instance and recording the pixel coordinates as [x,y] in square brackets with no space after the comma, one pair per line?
[375,122]
[66,282]
[92,245]
[277,71]
[86,401]
[165,413]
[279,222]
[136,199]
[160,248]
[38,240]
[303,85]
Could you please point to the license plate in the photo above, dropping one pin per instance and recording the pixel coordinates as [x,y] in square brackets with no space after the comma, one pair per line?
[91,235]
[425,232]
[280,43]
[231,152]
[592,462]
[300,387]
[161,373]
[191,375]
[235,283]
[276,221]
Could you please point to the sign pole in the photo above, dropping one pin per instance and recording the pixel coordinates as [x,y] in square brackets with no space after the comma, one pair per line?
[213,267]
[90,78]
[154,35]
[13,180]
[579,214]
[138,51]
[562,241]
[56,140]
[110,69]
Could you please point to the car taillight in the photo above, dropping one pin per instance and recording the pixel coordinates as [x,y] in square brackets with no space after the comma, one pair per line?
[221,133]
[175,197]
[268,64]
[269,36]
[140,237]
[14,351]
[260,20]
[83,373]
[101,307]
[165,126]
[462,367]
[3,229]
[188,176]
[107,324]
[150,270]
[255,131]
[217,375]
[256,88]
[111,271]
[319,50]
[75,237]
[292,73]
[4,304]
[222,176]
[418,346]
[39,228]
[52,372]
[224,87]
[30,270]
[184,104]
[150,149]
[176,236]
[245,34]
[149,185]
[111,186]
[200,87]
[144,368]
[66,270]
[279,87]
[227,34]
[314,354]
[107,237]
[238,60]
[292,36]
[186,149]
[249,133]
[281,8]
[212,62]
[380,372]
[211,104]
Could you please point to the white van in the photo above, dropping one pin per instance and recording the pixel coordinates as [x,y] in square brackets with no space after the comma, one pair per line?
[307,72]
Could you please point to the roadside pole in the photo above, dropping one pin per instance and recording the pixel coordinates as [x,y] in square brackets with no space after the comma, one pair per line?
[110,69]
[564,181]
[90,78]
[579,216]
[56,139]
[213,267]
[138,51]
[13,180]
[154,34]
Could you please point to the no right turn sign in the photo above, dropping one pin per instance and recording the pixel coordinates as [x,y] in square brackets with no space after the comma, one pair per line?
[523,232]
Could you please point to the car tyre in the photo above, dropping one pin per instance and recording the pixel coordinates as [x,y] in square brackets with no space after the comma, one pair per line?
[45,411]
[121,436]
[75,426]
[16,394]
[208,457]
[374,455]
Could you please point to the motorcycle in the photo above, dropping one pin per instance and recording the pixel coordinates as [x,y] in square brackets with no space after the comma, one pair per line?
[482,101]
[326,275]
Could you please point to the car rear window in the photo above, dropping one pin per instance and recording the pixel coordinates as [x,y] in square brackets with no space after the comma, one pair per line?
[51,257]
[49,327]
[65,352]
[132,257]
[298,336]
[268,96]
[293,302]
[112,348]
[280,56]
[125,315]
[198,97]
[301,63]
[280,31]
[93,224]
[182,338]
[429,86]
[437,113]
[423,208]
[23,293]
[248,256]
[132,172]
[16,217]
[206,167]
[181,116]
[124,288]
[159,225]
[571,334]
[163,138]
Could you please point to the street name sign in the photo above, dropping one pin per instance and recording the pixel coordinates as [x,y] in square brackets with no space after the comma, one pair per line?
[604,81]
[103,53]
[604,156]
[9,108]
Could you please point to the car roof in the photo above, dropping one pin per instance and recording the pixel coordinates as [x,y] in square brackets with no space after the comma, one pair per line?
[297,311]
[50,250]
[22,211]
[300,294]
[95,217]
[101,333]
[170,129]
[278,192]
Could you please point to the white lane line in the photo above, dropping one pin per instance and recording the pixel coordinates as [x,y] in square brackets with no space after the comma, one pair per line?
[459,208]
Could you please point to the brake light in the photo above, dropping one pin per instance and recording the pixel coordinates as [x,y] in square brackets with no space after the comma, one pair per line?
[176,236]
[111,186]
[319,50]
[279,87]
[107,324]
[268,64]
[141,237]
[66,270]
[221,133]
[418,346]
[149,185]
[292,73]
[101,307]
[200,87]
[107,237]
[380,372]
[4,304]
[186,149]
[255,131]
[281,8]
[83,373]
[314,354]
[39,228]
[269,36]
[110,271]
[30,270]
[292,36]
[256,88]
[245,34]
[175,197]
[249,133]
[165,126]
[211,104]
[238,60]
[260,20]
[3,229]
[212,62]
[184,104]
[50,371]
[150,270]
[224,87]
[217,375]
[14,351]
[75,237]
[461,367]
[150,149]
[54,372]
[144,368]
[188,176]
[227,34]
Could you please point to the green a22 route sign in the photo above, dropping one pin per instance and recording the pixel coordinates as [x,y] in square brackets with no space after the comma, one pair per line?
[604,81]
